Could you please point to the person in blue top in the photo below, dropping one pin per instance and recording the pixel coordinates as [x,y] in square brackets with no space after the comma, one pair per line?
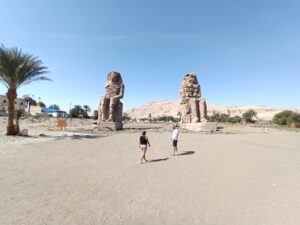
[144,142]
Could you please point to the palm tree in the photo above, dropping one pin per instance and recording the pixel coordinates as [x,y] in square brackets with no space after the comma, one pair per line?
[17,69]
[76,111]
[54,106]
[29,100]
[87,109]
[41,104]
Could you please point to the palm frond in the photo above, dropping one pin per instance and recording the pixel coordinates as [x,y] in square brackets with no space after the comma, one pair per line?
[35,79]
[4,83]
[18,68]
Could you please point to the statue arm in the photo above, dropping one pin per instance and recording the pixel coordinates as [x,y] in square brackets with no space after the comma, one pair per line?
[121,95]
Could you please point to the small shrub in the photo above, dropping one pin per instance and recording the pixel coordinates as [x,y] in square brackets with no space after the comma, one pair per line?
[126,118]
[249,116]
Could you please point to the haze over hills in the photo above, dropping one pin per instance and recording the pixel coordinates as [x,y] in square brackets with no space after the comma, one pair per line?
[171,108]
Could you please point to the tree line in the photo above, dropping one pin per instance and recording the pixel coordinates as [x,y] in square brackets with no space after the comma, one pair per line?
[284,118]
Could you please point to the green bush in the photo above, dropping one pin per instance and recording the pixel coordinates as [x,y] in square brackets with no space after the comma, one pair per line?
[126,118]
[220,118]
[78,112]
[143,119]
[249,116]
[235,119]
[165,119]
[295,118]
[286,117]
[224,118]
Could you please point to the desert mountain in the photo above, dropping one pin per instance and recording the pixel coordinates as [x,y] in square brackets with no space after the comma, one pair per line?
[170,108]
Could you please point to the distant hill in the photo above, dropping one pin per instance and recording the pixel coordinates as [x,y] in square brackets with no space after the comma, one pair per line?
[170,108]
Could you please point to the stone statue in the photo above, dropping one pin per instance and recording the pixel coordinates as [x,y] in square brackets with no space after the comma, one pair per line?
[192,107]
[111,108]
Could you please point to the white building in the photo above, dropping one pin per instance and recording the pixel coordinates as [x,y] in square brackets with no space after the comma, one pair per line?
[19,104]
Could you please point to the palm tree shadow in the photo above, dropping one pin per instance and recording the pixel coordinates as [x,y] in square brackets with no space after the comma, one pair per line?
[78,137]
[157,160]
[186,153]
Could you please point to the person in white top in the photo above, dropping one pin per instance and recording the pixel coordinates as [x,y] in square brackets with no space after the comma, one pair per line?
[175,140]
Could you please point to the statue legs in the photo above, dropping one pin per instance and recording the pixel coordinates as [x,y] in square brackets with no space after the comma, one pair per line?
[118,112]
[115,108]
[203,110]
[112,108]
[109,110]
[195,110]
[103,109]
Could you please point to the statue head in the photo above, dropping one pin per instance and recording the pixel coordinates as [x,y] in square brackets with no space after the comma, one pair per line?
[114,78]
[190,79]
[190,86]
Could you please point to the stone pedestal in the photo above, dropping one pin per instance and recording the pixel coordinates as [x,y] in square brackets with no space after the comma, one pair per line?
[111,125]
[203,127]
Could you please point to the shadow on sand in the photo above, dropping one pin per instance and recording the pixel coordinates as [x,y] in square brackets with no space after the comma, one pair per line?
[78,137]
[186,153]
[157,160]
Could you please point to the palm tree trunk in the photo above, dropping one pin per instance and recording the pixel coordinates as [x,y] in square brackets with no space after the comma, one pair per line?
[11,96]
[17,127]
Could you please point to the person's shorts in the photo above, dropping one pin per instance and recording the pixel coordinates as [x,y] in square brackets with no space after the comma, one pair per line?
[175,143]
[143,147]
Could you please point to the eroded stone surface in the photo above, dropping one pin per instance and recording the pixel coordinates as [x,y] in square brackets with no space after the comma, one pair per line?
[192,106]
[111,107]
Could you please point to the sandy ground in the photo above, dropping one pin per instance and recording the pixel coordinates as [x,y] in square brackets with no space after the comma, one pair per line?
[239,178]
[43,130]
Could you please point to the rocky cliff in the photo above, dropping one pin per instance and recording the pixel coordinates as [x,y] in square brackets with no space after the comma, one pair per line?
[170,108]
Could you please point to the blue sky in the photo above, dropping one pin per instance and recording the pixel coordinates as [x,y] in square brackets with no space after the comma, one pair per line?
[244,52]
